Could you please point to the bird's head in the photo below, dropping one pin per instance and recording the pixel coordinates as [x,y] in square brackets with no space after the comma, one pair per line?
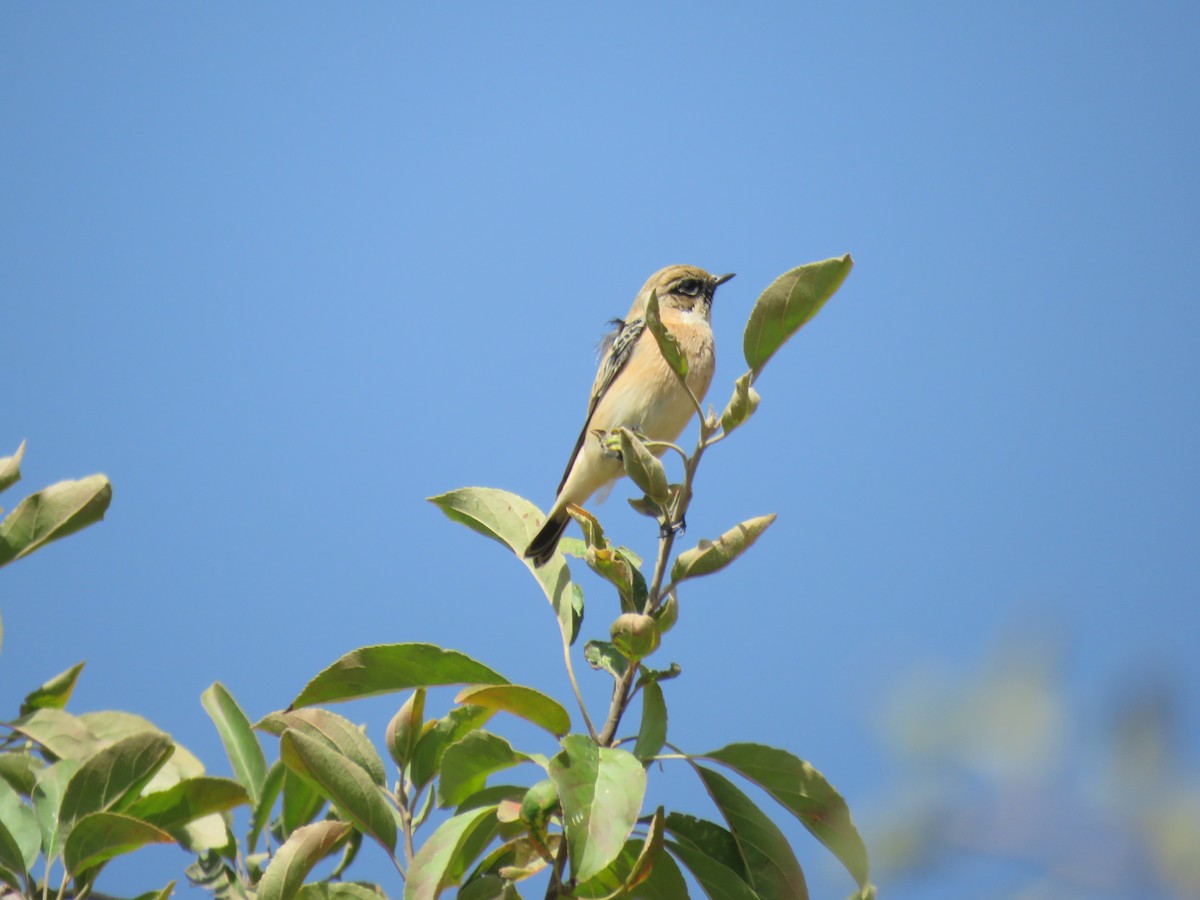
[684,288]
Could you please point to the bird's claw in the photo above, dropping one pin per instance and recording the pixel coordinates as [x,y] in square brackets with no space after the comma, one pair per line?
[669,528]
[610,444]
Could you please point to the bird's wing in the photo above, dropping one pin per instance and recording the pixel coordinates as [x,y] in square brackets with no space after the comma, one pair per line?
[617,347]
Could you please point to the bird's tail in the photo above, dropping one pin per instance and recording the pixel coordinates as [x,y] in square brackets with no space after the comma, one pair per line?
[544,543]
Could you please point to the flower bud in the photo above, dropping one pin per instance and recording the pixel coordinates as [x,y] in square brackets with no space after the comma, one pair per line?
[635,635]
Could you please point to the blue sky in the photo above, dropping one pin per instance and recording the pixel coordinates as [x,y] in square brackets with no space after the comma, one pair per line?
[283,271]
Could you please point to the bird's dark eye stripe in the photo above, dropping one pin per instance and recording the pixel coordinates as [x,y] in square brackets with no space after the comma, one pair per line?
[690,286]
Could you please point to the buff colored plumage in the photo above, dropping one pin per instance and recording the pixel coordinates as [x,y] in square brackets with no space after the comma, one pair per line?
[636,389]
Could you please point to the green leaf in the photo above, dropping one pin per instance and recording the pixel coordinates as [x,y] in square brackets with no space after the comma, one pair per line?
[640,871]
[488,887]
[12,856]
[806,794]
[508,794]
[211,872]
[593,531]
[604,655]
[717,880]
[774,872]
[241,743]
[468,762]
[513,521]
[712,556]
[55,693]
[260,811]
[292,862]
[187,801]
[337,732]
[601,791]
[301,802]
[653,732]
[340,890]
[665,881]
[742,404]
[514,860]
[432,867]
[667,614]
[471,847]
[53,513]
[385,668]
[667,344]
[644,506]
[10,879]
[347,785]
[709,838]
[645,676]
[19,769]
[22,825]
[211,832]
[617,570]
[163,894]
[113,777]
[404,729]
[59,733]
[47,798]
[110,726]
[348,855]
[10,468]
[98,837]
[537,806]
[787,304]
[572,546]
[643,467]
[649,853]
[615,880]
[427,755]
[531,705]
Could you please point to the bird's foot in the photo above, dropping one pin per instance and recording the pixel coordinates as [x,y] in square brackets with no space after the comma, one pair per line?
[610,444]
[669,528]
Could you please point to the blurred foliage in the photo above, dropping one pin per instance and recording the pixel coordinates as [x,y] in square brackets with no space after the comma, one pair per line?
[1001,768]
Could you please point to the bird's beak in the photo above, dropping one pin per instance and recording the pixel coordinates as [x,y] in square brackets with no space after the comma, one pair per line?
[721,279]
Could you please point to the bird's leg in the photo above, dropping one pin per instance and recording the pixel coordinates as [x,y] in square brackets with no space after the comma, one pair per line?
[668,528]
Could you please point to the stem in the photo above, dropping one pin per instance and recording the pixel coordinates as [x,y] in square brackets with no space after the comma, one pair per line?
[617,709]
[665,543]
[621,692]
[578,696]
[560,861]
[406,821]
[695,400]
[669,446]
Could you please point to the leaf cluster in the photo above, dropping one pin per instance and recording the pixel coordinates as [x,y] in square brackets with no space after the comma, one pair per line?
[451,801]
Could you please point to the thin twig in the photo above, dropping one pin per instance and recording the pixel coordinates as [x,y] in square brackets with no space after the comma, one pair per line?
[587,720]
[560,860]
[667,445]
[406,820]
[695,400]
[621,691]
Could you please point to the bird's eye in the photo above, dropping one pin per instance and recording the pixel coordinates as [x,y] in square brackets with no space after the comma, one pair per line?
[690,286]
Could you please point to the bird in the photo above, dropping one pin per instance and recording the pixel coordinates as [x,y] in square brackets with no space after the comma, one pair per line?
[636,388]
